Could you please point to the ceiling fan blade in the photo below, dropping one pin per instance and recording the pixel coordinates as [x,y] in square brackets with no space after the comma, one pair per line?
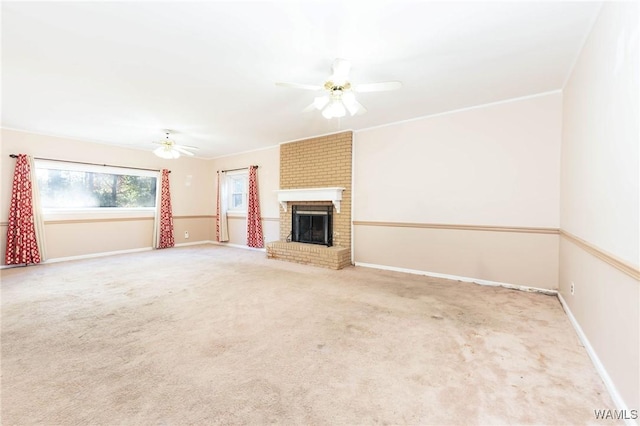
[299,86]
[182,150]
[321,101]
[318,103]
[341,68]
[361,109]
[194,148]
[310,108]
[378,87]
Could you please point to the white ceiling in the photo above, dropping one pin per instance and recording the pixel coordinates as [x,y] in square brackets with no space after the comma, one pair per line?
[121,72]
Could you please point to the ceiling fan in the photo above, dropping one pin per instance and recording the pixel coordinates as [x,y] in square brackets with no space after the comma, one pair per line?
[168,149]
[340,93]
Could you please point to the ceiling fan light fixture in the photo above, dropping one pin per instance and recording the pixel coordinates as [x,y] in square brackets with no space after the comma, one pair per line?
[166,152]
[334,109]
[170,150]
[339,97]
[327,113]
[349,101]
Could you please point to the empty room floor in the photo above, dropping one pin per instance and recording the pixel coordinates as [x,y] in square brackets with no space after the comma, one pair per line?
[217,335]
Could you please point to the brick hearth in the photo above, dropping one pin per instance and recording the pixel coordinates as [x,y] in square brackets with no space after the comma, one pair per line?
[328,257]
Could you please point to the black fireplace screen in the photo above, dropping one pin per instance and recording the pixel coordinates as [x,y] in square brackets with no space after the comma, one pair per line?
[312,224]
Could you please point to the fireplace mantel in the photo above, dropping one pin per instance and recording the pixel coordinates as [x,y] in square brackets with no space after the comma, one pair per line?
[310,194]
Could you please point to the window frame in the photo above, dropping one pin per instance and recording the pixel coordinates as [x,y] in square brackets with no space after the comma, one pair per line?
[230,177]
[80,213]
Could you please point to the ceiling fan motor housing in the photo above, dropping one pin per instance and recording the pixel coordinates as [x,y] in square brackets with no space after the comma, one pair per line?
[331,86]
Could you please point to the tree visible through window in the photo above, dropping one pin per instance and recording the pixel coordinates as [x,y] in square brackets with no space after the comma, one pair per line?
[81,189]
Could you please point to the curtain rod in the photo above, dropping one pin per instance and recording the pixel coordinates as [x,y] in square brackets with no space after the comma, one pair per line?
[240,168]
[90,164]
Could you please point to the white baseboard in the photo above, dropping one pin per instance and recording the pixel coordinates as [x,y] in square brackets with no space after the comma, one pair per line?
[111,253]
[194,243]
[459,278]
[240,246]
[21,265]
[93,255]
[615,395]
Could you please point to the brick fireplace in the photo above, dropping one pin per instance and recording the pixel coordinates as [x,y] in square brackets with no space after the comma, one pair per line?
[318,172]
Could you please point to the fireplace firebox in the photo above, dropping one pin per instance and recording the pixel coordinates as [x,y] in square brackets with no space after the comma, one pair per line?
[312,224]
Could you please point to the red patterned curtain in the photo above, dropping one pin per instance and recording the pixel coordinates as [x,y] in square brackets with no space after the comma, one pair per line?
[254,224]
[22,245]
[166,239]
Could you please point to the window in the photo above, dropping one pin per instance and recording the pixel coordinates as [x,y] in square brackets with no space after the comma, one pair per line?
[78,187]
[237,191]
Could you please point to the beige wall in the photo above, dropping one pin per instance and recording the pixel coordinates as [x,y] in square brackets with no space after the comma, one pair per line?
[600,196]
[268,161]
[493,165]
[199,227]
[77,238]
[496,166]
[192,199]
[465,253]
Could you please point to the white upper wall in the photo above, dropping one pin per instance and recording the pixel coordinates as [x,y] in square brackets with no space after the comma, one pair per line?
[492,165]
[600,157]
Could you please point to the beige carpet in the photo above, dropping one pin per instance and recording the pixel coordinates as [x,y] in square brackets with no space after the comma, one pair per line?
[217,335]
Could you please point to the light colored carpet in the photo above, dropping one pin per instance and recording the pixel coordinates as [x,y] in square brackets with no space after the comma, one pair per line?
[217,335]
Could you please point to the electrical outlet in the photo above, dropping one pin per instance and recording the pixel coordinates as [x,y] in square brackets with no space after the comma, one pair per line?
[186,237]
[573,288]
